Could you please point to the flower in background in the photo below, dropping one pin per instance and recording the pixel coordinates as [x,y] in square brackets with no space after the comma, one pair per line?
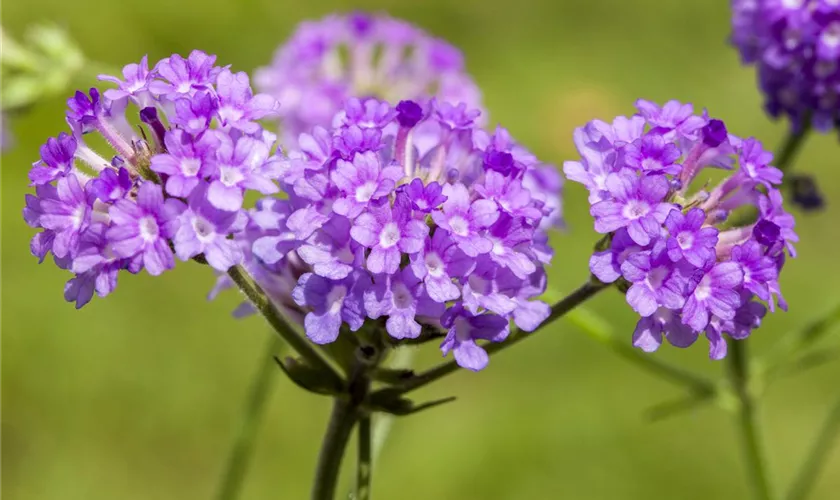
[690,263]
[172,187]
[795,46]
[325,62]
[396,231]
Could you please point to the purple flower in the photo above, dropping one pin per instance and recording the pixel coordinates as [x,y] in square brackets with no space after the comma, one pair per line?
[483,289]
[465,220]
[56,159]
[755,164]
[67,214]
[186,161]
[239,164]
[664,322]
[673,116]
[424,197]
[438,263]
[140,230]
[389,233]
[238,106]
[84,110]
[111,185]
[203,229]
[652,154]
[330,251]
[194,114]
[758,268]
[362,181]
[353,140]
[509,194]
[331,302]
[511,237]
[96,268]
[409,113]
[136,81]
[688,239]
[464,328]
[184,76]
[637,203]
[716,294]
[402,298]
[606,264]
[367,113]
[455,116]
[656,282]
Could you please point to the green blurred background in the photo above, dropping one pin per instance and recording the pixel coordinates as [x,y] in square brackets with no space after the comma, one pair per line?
[137,396]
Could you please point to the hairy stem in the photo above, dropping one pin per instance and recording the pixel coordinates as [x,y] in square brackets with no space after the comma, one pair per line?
[807,476]
[739,375]
[340,427]
[364,465]
[243,446]
[574,299]
[263,304]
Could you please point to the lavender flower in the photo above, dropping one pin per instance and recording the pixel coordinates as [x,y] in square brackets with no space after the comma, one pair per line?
[686,271]
[795,46]
[99,217]
[326,62]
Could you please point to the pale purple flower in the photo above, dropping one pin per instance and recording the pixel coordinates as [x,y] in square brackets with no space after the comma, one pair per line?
[194,114]
[637,203]
[511,238]
[331,302]
[464,329]
[367,113]
[67,214]
[111,185]
[755,164]
[509,194]
[402,298]
[362,181]
[666,323]
[204,229]
[465,220]
[715,293]
[135,83]
[240,164]
[688,239]
[652,154]
[606,264]
[389,232]
[656,282]
[238,106]
[187,160]
[56,159]
[331,251]
[96,268]
[184,76]
[141,230]
[482,290]
[438,263]
[424,197]
[673,116]
[353,140]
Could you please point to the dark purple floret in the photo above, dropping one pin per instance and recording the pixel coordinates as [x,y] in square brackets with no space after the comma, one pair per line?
[806,193]
[499,161]
[766,232]
[409,113]
[714,133]
[149,116]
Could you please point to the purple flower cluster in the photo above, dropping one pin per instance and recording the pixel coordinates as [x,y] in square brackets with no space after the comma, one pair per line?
[795,45]
[360,55]
[410,217]
[173,186]
[688,264]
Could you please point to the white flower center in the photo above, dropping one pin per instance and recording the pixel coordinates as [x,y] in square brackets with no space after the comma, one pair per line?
[365,191]
[390,235]
[203,228]
[704,288]
[190,166]
[459,225]
[434,264]
[230,176]
[402,296]
[685,240]
[651,164]
[79,216]
[335,299]
[498,246]
[635,209]
[831,35]
[149,229]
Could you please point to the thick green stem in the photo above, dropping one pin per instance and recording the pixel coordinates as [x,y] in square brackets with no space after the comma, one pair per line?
[243,446]
[364,465]
[340,427]
[739,375]
[257,296]
[574,299]
[817,457]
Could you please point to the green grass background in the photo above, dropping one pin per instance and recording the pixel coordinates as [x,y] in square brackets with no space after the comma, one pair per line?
[137,396]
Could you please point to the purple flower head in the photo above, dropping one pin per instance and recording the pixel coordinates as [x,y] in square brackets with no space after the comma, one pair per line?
[331,303]
[688,239]
[464,329]
[184,76]
[687,265]
[362,181]
[637,203]
[56,159]
[466,220]
[794,46]
[204,229]
[409,65]
[389,232]
[424,197]
[403,299]
[140,230]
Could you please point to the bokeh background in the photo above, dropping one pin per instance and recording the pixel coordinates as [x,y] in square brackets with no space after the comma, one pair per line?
[137,396]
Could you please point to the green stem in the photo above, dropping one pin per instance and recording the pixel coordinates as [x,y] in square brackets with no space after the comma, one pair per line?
[243,447]
[791,146]
[739,375]
[574,299]
[266,307]
[364,466]
[340,427]
[807,476]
